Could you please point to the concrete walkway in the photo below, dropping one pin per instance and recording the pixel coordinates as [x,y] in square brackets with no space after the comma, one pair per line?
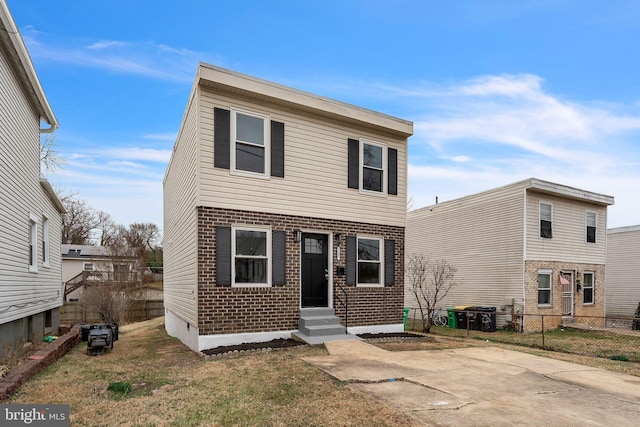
[485,386]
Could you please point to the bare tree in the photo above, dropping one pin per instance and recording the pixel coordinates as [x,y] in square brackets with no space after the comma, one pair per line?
[430,280]
[142,238]
[108,301]
[50,159]
[108,229]
[78,221]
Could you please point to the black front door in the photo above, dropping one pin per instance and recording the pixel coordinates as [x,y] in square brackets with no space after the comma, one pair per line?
[315,270]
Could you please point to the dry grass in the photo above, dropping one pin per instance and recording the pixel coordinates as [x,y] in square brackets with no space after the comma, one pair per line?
[172,386]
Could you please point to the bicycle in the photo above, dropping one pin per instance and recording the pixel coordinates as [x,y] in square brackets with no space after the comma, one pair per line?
[438,319]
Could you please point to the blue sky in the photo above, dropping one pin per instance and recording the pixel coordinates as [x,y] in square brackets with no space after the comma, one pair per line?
[498,91]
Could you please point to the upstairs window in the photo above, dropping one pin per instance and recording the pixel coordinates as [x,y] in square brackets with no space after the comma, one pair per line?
[249,134]
[544,287]
[591,227]
[587,287]
[33,244]
[248,143]
[88,266]
[545,221]
[373,170]
[369,261]
[372,167]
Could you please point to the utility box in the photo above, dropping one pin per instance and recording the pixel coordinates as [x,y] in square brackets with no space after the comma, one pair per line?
[452,321]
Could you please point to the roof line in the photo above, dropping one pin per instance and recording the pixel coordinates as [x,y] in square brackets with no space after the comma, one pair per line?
[25,61]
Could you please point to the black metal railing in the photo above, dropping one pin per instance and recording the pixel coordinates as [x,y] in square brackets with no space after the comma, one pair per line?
[344,303]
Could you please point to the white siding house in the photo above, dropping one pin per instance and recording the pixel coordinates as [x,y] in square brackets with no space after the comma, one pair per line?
[274,201]
[623,271]
[30,212]
[502,240]
[84,265]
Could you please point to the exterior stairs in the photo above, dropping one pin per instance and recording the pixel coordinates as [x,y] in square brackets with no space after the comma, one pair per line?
[318,325]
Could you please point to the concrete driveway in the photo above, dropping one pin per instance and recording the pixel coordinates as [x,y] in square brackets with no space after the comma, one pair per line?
[485,386]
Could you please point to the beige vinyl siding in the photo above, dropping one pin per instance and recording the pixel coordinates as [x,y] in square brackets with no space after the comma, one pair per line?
[23,293]
[482,236]
[315,182]
[623,271]
[180,223]
[569,242]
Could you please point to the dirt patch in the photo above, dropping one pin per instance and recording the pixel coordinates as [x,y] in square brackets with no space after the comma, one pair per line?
[393,335]
[254,346]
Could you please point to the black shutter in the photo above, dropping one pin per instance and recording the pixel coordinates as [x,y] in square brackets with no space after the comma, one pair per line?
[392,160]
[351,260]
[279,257]
[354,163]
[389,262]
[223,256]
[277,149]
[221,138]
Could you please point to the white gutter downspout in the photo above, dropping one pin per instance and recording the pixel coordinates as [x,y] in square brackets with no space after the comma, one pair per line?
[50,129]
[524,254]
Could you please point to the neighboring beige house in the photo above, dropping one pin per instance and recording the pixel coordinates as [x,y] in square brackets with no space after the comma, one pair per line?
[623,271]
[276,203]
[30,212]
[82,264]
[533,246]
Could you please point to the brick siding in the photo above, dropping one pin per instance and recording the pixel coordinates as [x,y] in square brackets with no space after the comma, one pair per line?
[227,310]
[579,309]
[38,361]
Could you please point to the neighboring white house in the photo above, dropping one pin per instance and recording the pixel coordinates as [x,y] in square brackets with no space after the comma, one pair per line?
[30,213]
[623,271]
[533,245]
[278,202]
[83,264]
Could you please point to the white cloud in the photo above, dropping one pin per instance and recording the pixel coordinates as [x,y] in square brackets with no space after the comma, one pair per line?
[512,129]
[105,44]
[137,153]
[147,58]
[169,136]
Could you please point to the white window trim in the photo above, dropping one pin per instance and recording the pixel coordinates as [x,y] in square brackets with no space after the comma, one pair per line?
[550,274]
[267,145]
[84,266]
[33,243]
[593,288]
[385,168]
[46,252]
[540,220]
[586,224]
[380,261]
[233,257]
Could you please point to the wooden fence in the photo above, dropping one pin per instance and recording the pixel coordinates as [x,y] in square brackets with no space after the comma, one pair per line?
[137,311]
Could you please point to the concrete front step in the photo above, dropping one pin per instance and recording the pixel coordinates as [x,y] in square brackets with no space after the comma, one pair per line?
[317,325]
[319,321]
[317,312]
[322,330]
[316,340]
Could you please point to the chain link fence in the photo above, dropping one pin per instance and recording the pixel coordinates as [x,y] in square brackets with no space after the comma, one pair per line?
[616,338]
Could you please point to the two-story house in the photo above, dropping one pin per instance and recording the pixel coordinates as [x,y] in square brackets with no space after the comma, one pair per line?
[623,270]
[535,246]
[279,204]
[30,212]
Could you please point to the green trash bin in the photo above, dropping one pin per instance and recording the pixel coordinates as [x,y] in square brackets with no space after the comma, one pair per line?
[406,315]
[452,321]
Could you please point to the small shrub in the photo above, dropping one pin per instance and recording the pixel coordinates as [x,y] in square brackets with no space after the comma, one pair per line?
[620,357]
[120,389]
